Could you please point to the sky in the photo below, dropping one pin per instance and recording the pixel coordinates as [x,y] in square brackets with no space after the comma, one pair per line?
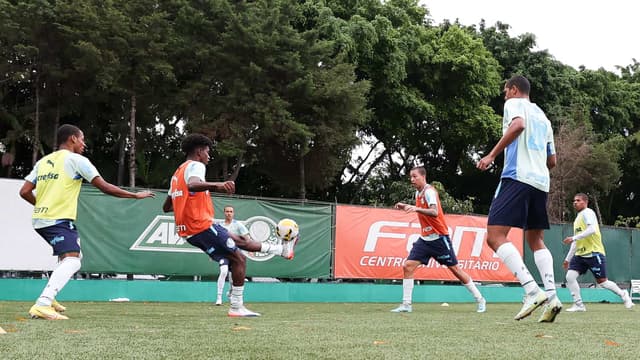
[593,33]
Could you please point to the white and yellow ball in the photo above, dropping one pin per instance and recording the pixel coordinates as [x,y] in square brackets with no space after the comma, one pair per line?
[287,229]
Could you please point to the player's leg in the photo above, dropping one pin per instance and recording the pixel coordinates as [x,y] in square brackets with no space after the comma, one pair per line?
[63,237]
[222,277]
[577,266]
[509,209]
[467,281]
[599,269]
[417,255]
[247,244]
[238,267]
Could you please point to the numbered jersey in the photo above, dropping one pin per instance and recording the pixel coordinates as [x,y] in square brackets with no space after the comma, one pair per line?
[525,159]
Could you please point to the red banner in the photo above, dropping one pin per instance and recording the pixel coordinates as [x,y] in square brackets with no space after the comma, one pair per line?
[373,244]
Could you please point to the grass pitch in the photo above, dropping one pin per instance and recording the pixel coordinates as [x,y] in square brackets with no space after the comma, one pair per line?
[316,331]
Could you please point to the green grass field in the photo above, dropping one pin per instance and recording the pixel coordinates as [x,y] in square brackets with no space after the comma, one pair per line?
[316,331]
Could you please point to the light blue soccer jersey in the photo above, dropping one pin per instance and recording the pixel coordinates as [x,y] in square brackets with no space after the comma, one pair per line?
[525,159]
[236,227]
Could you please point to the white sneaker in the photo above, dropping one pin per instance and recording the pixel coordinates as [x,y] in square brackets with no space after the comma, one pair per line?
[219,300]
[577,308]
[530,304]
[242,312]
[402,308]
[628,303]
[551,310]
[482,306]
[288,248]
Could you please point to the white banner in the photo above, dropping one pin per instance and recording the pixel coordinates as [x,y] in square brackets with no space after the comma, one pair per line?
[21,248]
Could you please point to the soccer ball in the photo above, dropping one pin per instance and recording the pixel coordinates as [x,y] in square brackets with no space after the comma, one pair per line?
[287,229]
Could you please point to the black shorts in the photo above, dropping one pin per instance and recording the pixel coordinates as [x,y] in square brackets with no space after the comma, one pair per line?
[215,242]
[597,264]
[519,205]
[439,249]
[63,237]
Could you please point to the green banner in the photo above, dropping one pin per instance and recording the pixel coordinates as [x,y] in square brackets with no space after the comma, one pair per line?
[127,236]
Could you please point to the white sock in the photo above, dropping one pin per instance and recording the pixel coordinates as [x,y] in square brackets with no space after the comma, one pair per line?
[473,290]
[610,285]
[271,248]
[236,296]
[574,288]
[511,257]
[224,270]
[407,291]
[59,278]
[544,262]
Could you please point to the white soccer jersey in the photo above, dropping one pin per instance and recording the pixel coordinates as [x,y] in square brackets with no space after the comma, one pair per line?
[236,227]
[525,159]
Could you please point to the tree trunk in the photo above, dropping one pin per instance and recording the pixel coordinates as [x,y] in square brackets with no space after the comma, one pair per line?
[56,125]
[121,159]
[303,192]
[596,207]
[36,125]
[132,139]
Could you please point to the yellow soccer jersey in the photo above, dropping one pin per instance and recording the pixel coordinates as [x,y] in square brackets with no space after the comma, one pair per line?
[58,177]
[591,243]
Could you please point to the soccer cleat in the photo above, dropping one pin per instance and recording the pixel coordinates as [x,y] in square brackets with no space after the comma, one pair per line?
[482,306]
[551,310]
[242,312]
[45,312]
[530,304]
[57,306]
[288,248]
[628,303]
[219,301]
[402,308]
[577,308]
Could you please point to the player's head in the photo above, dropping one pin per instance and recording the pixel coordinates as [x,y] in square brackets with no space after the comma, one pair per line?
[228,212]
[70,137]
[517,86]
[196,147]
[418,176]
[580,201]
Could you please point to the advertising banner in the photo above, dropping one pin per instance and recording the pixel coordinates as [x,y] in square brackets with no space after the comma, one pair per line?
[129,236]
[373,243]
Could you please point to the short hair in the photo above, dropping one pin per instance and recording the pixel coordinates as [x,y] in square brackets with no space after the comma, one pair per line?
[521,83]
[583,196]
[420,169]
[193,142]
[228,206]
[66,131]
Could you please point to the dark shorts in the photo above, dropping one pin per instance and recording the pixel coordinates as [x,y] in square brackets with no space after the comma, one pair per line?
[597,264]
[215,242]
[439,249]
[223,262]
[63,237]
[519,205]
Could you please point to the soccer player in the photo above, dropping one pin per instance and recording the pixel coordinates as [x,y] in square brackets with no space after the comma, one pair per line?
[236,227]
[189,199]
[56,179]
[587,253]
[521,197]
[433,242]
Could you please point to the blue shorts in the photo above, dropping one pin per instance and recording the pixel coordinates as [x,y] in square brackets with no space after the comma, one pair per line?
[439,249]
[597,264]
[63,237]
[215,242]
[519,205]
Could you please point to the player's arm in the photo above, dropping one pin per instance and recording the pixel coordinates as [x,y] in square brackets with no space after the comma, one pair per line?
[513,131]
[567,259]
[26,192]
[168,205]
[113,190]
[195,184]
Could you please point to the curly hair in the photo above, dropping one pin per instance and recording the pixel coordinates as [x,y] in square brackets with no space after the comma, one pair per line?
[193,142]
[520,82]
